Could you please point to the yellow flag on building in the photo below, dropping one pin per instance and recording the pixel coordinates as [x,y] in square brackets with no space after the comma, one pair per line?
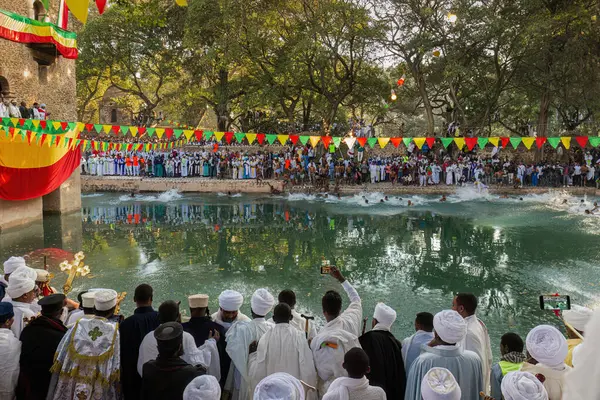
[79,9]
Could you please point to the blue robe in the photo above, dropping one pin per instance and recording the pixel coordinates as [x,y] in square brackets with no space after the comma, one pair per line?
[465,366]
[411,347]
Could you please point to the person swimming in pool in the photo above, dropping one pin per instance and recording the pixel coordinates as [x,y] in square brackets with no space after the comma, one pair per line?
[443,198]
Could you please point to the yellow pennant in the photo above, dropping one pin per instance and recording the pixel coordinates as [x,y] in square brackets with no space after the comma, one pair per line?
[419,141]
[35,122]
[251,137]
[350,142]
[314,140]
[133,130]
[495,141]
[106,128]
[56,124]
[15,121]
[181,3]
[79,8]
[460,142]
[566,141]
[219,136]
[383,141]
[528,142]
[188,134]
[282,139]
[160,132]
[80,126]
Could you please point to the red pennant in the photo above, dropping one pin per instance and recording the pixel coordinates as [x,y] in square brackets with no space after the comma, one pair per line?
[362,141]
[215,147]
[129,146]
[326,140]
[29,135]
[58,140]
[11,131]
[43,124]
[228,137]
[471,142]
[260,138]
[70,143]
[64,125]
[294,139]
[169,133]
[582,140]
[505,141]
[430,142]
[101,4]
[539,141]
[396,141]
[116,129]
[141,131]
[43,139]
[198,135]
[140,147]
[21,121]
[89,127]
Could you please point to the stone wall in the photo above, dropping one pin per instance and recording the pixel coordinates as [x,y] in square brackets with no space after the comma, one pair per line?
[111,106]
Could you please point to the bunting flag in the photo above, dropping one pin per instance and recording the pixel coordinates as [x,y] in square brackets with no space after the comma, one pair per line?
[79,8]
[515,141]
[350,142]
[505,141]
[582,141]
[554,141]
[326,140]
[539,141]
[282,139]
[566,142]
[383,141]
[304,139]
[460,142]
[294,139]
[471,142]
[430,142]
[260,138]
[528,142]
[446,141]
[361,141]
[420,141]
[314,140]
[219,135]
[271,138]
[406,141]
[482,142]
[594,141]
[228,137]
[396,141]
[337,141]
[371,141]
[251,137]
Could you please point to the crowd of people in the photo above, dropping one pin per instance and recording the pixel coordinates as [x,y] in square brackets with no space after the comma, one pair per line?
[55,348]
[302,165]
[10,109]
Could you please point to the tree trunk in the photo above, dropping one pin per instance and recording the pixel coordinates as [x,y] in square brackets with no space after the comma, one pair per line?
[426,102]
[542,124]
[222,100]
[306,109]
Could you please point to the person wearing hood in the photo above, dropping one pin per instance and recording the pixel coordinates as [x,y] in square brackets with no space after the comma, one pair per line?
[10,266]
[385,354]
[22,292]
[10,351]
[230,302]
[577,317]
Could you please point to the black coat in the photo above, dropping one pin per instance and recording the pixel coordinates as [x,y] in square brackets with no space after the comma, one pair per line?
[132,331]
[199,328]
[39,341]
[385,359]
[167,379]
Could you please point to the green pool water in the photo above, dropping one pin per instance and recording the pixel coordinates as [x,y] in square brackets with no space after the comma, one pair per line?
[506,251]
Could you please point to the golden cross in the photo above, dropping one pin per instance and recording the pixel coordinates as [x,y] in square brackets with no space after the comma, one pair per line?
[95,334]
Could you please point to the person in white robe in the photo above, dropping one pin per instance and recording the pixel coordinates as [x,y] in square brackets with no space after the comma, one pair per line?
[440,384]
[445,352]
[351,319]
[87,362]
[411,346]
[577,317]
[10,352]
[282,349]
[10,266]
[354,386]
[21,290]
[278,386]
[549,348]
[289,297]
[239,337]
[450,174]
[230,302]
[206,355]
[478,338]
[205,387]
[87,303]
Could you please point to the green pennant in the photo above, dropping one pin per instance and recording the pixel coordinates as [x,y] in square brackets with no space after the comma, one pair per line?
[482,141]
[124,129]
[446,141]
[52,137]
[72,125]
[406,141]
[5,121]
[594,141]
[151,131]
[304,139]
[337,141]
[98,128]
[239,136]
[208,135]
[177,133]
[515,142]
[271,138]
[27,124]
[554,141]
[372,141]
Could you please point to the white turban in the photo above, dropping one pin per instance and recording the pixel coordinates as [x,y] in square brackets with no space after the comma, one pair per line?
[385,315]
[24,272]
[12,264]
[578,316]
[230,300]
[105,299]
[522,386]
[450,326]
[262,302]
[439,384]
[547,345]
[19,285]
[205,387]
[279,386]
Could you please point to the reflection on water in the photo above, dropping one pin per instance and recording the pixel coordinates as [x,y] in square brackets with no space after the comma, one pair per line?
[414,259]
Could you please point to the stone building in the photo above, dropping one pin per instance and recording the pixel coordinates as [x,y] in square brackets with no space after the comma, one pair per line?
[112,109]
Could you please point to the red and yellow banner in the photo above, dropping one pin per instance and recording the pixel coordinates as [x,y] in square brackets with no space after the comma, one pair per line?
[20,29]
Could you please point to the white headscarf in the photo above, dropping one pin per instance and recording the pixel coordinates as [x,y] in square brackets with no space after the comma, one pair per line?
[547,345]
[385,315]
[450,326]
[12,264]
[262,302]
[578,316]
[230,300]
[205,387]
[279,386]
[440,384]
[19,285]
[25,272]
[522,386]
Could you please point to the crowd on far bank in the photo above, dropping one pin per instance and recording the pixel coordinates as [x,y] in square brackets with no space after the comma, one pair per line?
[52,347]
[301,165]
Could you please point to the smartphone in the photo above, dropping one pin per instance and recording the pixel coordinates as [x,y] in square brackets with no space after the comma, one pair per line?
[552,302]
[325,267]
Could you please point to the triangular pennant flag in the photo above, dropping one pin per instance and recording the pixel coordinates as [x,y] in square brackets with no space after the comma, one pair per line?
[106,128]
[460,142]
[419,141]
[15,122]
[89,127]
[362,141]
[251,137]
[29,136]
[430,142]
[304,139]
[160,132]
[396,141]
[371,141]
[27,124]
[6,121]
[294,139]
[116,129]
[494,140]
[22,122]
[594,141]
[43,124]
[124,129]
[582,141]
[151,131]
[528,142]
[44,137]
[471,142]
[35,122]
[219,136]
[71,125]
[337,141]
[169,133]
[260,138]
[271,138]
[239,137]
[188,133]
[282,139]
[198,135]
[407,141]
[228,137]
[208,134]
[554,141]
[383,141]
[539,141]
[326,140]
[350,142]
[141,130]
[482,142]
[58,140]
[133,130]
[98,128]
[314,141]
[64,125]
[55,124]
[515,141]
[504,141]
[566,142]
[446,141]
[178,133]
